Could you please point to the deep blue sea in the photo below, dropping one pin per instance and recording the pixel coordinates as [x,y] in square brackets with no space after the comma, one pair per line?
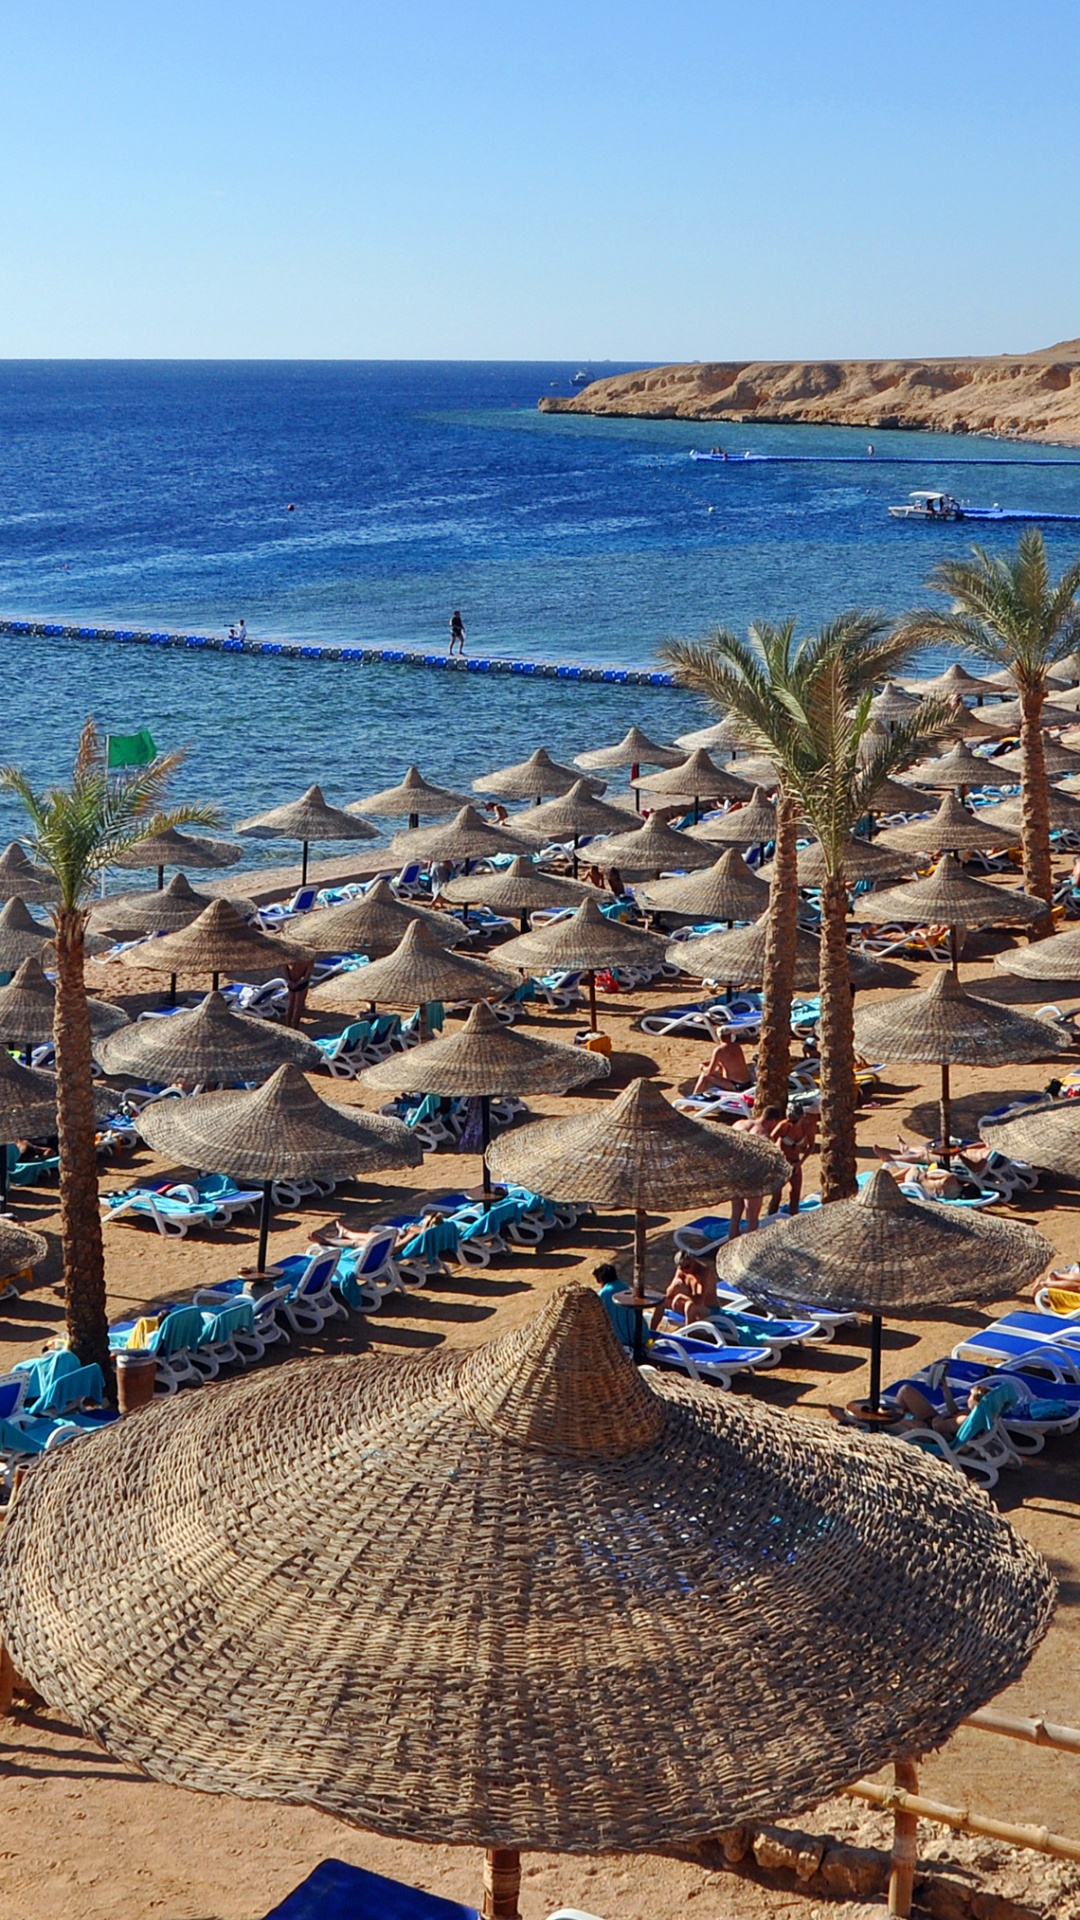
[159,494]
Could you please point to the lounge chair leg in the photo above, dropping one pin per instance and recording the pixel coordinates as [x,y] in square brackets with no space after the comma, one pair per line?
[502,1884]
[904,1848]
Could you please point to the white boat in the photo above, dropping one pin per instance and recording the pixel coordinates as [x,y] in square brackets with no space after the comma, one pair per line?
[929,506]
[582,378]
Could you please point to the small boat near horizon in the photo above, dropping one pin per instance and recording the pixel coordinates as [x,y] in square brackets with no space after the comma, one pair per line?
[930,505]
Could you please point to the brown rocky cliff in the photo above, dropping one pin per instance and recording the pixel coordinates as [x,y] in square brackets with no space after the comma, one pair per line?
[1035,396]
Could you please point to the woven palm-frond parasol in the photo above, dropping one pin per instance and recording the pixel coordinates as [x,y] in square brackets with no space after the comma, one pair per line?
[881,1253]
[27,1004]
[280,1131]
[1063,809]
[207,1045]
[27,1099]
[581,943]
[749,826]
[1069,699]
[730,890]
[863,860]
[737,959]
[567,817]
[947,898]
[21,880]
[165,910]
[21,936]
[943,1025]
[1005,682]
[531,779]
[957,768]
[375,923]
[519,888]
[954,828]
[894,796]
[440,1687]
[19,1248]
[412,795]
[757,769]
[1059,760]
[1057,958]
[308,818]
[466,837]
[419,970]
[486,1058]
[894,703]
[635,749]
[171,848]
[698,778]
[956,683]
[964,723]
[218,940]
[636,1151]
[720,736]
[1005,716]
[650,848]
[1046,1136]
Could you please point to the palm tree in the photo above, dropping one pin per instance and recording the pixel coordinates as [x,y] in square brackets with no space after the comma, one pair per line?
[806,704]
[76,831]
[1008,611]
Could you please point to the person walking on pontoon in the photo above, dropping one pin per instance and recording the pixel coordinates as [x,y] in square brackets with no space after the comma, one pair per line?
[457,632]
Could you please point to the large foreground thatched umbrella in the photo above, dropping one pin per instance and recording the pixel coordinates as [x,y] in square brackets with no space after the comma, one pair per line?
[21,880]
[954,828]
[412,797]
[640,1154]
[1057,958]
[171,848]
[209,1045]
[421,969]
[375,923]
[307,819]
[425,1594]
[883,1254]
[944,1026]
[219,940]
[531,779]
[947,898]
[486,1061]
[1045,1136]
[582,943]
[520,888]
[280,1131]
[729,890]
[27,1005]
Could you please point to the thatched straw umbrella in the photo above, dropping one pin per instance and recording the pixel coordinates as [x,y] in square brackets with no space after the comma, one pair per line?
[27,1004]
[958,769]
[125,916]
[1057,958]
[27,1107]
[1063,810]
[956,683]
[520,888]
[1007,715]
[738,959]
[1045,1136]
[894,703]
[171,848]
[637,1153]
[20,1249]
[1060,760]
[649,849]
[420,970]
[944,1026]
[280,1131]
[1005,682]
[720,736]
[573,816]
[21,936]
[753,825]
[954,828]
[531,779]
[582,943]
[757,769]
[863,860]
[484,1061]
[307,819]
[947,898]
[894,796]
[209,1045]
[730,891]
[833,1646]
[883,1254]
[635,750]
[962,723]
[698,779]
[412,797]
[375,923]
[466,837]
[219,940]
[1068,670]
[21,880]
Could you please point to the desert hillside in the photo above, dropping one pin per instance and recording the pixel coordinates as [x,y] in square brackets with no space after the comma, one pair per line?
[1036,395]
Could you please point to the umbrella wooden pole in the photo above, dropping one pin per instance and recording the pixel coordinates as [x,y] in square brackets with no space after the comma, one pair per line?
[946,1117]
[414,822]
[905,1852]
[592,999]
[502,1884]
[172,989]
[214,978]
[303,866]
[160,878]
[485,1140]
[954,950]
[264,1224]
[875,1363]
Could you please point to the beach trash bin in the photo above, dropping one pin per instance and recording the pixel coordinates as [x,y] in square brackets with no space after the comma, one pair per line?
[597,1043]
[136,1372]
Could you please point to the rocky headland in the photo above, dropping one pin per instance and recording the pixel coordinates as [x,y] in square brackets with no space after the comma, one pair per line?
[1033,396]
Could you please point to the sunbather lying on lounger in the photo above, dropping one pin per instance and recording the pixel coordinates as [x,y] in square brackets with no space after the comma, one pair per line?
[726,1068]
[918,1410]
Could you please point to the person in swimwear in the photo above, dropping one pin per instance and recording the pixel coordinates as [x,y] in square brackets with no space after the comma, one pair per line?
[727,1068]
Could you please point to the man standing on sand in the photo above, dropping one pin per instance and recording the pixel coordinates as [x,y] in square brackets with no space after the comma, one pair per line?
[457,632]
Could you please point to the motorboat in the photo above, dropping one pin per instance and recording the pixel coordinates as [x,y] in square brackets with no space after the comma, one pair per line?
[929,506]
[582,378]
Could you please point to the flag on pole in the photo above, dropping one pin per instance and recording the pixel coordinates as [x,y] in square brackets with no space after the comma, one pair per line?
[131,749]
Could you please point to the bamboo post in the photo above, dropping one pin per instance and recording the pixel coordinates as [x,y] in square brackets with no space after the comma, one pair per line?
[962,1820]
[502,1884]
[904,1847]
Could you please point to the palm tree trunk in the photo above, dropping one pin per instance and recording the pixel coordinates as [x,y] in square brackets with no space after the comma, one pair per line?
[80,1219]
[778,978]
[838,1162]
[1035,806]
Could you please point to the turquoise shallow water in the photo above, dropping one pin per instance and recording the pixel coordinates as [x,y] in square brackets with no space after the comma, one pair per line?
[158,494]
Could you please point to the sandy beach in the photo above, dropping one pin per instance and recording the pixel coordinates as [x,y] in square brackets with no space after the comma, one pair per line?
[86,1839]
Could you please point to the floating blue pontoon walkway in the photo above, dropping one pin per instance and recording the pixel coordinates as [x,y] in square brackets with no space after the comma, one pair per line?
[361,656]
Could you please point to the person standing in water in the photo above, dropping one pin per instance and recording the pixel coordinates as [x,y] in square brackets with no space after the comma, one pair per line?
[457,632]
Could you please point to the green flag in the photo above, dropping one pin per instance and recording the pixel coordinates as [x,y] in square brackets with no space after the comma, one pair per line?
[131,749]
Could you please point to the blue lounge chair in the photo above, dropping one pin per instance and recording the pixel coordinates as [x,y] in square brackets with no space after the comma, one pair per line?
[702,1353]
[336,1891]
[1019,1337]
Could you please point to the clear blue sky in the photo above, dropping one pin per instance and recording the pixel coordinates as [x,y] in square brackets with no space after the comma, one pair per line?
[538,179]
